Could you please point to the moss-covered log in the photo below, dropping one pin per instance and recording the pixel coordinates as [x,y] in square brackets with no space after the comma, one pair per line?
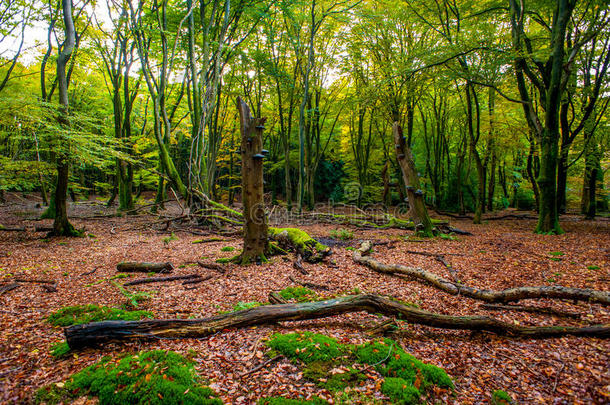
[503,296]
[310,249]
[144,267]
[92,334]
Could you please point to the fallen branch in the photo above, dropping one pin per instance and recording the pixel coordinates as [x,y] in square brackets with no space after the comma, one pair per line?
[148,280]
[276,298]
[197,280]
[95,333]
[531,309]
[508,295]
[212,266]
[89,272]
[262,365]
[308,284]
[135,267]
[8,287]
[298,264]
[24,228]
[37,281]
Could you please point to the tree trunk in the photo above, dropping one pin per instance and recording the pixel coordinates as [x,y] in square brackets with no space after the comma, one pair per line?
[548,219]
[61,225]
[256,244]
[417,206]
[96,333]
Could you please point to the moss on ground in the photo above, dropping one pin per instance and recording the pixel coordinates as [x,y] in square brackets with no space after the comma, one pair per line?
[79,314]
[499,397]
[329,364]
[227,249]
[299,294]
[155,377]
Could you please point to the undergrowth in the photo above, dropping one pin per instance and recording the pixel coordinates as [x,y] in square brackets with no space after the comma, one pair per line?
[155,377]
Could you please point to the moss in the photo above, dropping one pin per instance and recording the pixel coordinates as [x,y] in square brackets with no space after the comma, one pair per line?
[60,349]
[240,306]
[299,294]
[311,249]
[400,391]
[169,238]
[223,260]
[155,377]
[499,397]
[288,401]
[307,347]
[208,240]
[79,314]
[593,267]
[227,249]
[53,394]
[343,234]
[321,373]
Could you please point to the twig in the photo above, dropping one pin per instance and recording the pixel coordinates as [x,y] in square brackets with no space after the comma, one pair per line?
[197,280]
[89,272]
[557,377]
[261,366]
[23,280]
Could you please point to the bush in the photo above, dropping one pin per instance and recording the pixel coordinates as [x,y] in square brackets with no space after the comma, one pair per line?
[80,314]
[155,377]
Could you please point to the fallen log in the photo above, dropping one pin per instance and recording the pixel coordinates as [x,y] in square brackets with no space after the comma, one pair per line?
[531,309]
[8,287]
[36,228]
[309,284]
[144,267]
[212,266]
[95,333]
[502,296]
[148,280]
[34,280]
[197,280]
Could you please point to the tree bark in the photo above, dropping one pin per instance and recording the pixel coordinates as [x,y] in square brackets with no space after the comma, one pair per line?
[256,244]
[417,207]
[95,333]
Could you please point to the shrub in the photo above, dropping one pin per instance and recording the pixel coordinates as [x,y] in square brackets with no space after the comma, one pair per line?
[79,314]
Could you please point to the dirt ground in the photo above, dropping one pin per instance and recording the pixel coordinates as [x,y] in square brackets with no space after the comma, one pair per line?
[500,254]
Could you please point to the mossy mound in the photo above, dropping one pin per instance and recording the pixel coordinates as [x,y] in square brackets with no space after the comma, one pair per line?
[307,347]
[311,250]
[330,365]
[155,377]
[299,294]
[288,401]
[79,314]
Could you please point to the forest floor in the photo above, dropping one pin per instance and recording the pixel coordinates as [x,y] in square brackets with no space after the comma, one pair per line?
[500,254]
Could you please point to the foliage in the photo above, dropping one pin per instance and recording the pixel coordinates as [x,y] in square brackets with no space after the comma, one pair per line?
[79,314]
[155,377]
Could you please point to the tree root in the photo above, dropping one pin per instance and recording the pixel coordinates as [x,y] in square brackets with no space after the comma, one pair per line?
[95,333]
[503,296]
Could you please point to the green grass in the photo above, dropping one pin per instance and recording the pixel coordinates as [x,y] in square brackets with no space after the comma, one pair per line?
[299,294]
[79,314]
[155,377]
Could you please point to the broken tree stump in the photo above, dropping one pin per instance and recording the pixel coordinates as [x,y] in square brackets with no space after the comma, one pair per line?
[144,267]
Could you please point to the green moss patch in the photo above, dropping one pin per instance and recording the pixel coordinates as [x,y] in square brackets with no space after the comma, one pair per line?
[299,294]
[79,314]
[155,377]
[499,397]
[227,249]
[330,364]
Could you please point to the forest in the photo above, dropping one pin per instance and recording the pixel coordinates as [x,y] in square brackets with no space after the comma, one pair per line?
[304,201]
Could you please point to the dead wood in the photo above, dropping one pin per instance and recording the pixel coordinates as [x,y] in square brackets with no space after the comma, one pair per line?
[95,333]
[531,309]
[8,287]
[262,365]
[148,280]
[308,284]
[144,267]
[197,280]
[276,298]
[36,228]
[503,296]
[34,280]
[212,266]
[49,288]
[383,328]
[298,264]
[87,273]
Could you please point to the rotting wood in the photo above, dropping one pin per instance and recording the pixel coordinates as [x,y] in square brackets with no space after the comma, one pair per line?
[276,298]
[95,333]
[148,280]
[197,280]
[502,296]
[212,266]
[531,309]
[309,284]
[144,267]
[8,287]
